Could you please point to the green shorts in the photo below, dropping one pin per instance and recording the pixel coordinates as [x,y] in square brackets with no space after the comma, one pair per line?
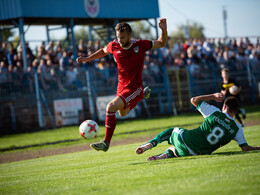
[177,142]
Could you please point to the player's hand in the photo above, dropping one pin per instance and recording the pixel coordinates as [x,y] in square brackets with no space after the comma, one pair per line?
[80,59]
[162,23]
[219,97]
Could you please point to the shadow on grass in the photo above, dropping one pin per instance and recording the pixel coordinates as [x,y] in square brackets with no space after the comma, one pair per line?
[37,145]
[235,153]
[10,148]
[155,162]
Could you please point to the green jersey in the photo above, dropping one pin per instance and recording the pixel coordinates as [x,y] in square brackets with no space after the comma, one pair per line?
[217,130]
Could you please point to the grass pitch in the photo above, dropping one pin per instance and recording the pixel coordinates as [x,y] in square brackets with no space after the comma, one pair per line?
[121,171]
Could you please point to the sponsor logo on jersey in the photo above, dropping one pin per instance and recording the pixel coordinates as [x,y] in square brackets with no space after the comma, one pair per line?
[118,51]
[136,49]
[220,121]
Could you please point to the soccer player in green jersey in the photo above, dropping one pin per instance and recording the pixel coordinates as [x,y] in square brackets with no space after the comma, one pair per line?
[218,129]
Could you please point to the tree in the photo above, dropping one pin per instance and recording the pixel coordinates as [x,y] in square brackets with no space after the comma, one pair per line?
[141,29]
[195,32]
[6,33]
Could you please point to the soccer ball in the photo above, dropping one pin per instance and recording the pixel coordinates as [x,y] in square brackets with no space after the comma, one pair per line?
[233,90]
[89,129]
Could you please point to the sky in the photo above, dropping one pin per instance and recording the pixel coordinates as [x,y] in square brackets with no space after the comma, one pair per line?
[242,18]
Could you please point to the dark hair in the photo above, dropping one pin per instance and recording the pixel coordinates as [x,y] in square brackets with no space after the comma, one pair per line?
[232,104]
[225,70]
[123,27]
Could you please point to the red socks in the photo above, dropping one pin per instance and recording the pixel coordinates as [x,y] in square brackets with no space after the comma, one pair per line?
[110,125]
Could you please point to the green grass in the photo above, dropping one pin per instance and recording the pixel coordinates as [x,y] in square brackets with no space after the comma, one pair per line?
[121,171]
[124,130]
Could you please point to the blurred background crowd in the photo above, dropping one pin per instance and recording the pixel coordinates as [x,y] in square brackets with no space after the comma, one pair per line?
[57,68]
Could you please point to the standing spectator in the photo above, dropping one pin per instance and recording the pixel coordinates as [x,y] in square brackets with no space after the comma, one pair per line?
[225,86]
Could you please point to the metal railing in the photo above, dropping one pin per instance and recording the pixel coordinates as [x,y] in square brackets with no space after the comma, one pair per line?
[26,109]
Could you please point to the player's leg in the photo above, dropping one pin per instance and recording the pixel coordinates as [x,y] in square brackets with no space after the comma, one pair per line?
[123,112]
[116,104]
[169,153]
[131,99]
[243,112]
[163,136]
[238,117]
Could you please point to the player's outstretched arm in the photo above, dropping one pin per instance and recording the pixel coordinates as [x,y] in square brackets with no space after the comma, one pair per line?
[98,54]
[219,97]
[249,148]
[162,40]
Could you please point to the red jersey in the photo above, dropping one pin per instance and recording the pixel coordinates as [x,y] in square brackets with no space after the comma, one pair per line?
[130,62]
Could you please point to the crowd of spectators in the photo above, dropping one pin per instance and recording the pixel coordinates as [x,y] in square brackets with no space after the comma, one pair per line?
[196,54]
[57,68]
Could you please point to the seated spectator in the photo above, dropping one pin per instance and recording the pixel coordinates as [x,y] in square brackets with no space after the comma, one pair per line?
[192,52]
[103,67]
[254,60]
[195,69]
[11,57]
[82,47]
[220,58]
[3,74]
[240,60]
[71,77]
[177,48]
[81,73]
[50,48]
[97,45]
[48,77]
[29,75]
[178,61]
[147,77]
[156,73]
[64,61]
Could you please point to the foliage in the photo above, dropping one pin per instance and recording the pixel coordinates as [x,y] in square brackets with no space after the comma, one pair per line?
[6,34]
[141,30]
[195,30]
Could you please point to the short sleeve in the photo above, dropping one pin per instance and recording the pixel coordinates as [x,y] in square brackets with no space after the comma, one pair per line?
[146,44]
[206,109]
[108,48]
[240,138]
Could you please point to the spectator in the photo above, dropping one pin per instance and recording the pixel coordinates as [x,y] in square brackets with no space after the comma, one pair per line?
[176,48]
[3,73]
[71,77]
[195,69]
[64,61]
[48,76]
[254,60]
[82,47]
[50,48]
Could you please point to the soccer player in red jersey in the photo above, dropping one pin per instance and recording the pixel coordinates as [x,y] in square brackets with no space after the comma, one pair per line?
[129,55]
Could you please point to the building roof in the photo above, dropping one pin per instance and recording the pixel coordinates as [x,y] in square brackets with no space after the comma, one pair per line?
[48,12]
